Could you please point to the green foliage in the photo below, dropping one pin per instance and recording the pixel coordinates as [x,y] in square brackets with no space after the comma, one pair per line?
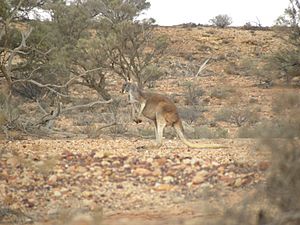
[285,63]
[129,45]
[291,18]
[150,74]
[221,21]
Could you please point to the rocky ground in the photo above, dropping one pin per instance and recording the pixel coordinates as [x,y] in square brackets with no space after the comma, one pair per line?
[121,182]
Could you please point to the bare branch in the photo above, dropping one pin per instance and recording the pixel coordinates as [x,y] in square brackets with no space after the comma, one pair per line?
[202,67]
[41,107]
[47,119]
[51,87]
[18,49]
[89,105]
[47,86]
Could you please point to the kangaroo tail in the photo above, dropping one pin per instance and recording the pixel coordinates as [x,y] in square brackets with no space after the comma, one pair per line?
[179,130]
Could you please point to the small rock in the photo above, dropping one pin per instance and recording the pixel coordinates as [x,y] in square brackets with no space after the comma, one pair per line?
[238,182]
[194,161]
[98,173]
[52,179]
[200,177]
[186,161]
[81,169]
[127,166]
[227,180]
[157,172]
[149,160]
[163,187]
[221,170]
[87,194]
[206,185]
[105,163]
[168,179]
[100,155]
[161,161]
[57,194]
[89,203]
[215,163]
[116,163]
[13,162]
[142,172]
[263,165]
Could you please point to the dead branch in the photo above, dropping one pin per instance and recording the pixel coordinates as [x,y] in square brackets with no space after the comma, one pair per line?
[25,36]
[48,118]
[89,105]
[51,87]
[41,107]
[202,67]
[47,86]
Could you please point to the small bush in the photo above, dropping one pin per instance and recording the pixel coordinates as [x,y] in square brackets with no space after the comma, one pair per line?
[222,92]
[207,132]
[150,75]
[237,116]
[192,94]
[279,128]
[285,102]
[28,90]
[283,65]
[221,21]
[190,114]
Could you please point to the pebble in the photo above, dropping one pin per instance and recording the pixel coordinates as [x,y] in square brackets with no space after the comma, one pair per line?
[57,194]
[142,172]
[200,177]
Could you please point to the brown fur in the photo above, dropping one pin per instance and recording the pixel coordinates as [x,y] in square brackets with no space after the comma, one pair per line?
[162,111]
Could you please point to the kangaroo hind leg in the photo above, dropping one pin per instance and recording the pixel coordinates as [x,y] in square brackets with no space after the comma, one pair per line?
[160,124]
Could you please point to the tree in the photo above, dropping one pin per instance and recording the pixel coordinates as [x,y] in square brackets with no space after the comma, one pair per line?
[221,21]
[129,44]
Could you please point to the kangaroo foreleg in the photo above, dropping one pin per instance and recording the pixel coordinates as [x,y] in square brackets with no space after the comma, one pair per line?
[138,119]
